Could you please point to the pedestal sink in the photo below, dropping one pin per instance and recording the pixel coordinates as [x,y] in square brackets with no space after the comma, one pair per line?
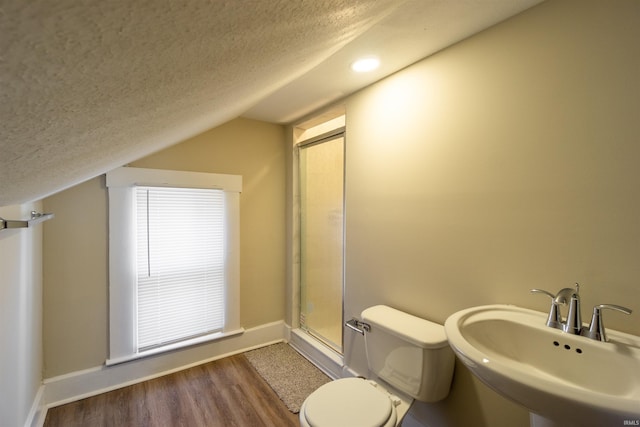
[563,379]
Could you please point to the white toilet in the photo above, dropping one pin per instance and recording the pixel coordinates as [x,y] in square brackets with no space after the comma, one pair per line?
[412,358]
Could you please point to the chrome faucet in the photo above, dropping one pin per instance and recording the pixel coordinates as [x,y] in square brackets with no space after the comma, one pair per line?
[554,320]
[573,322]
[595,330]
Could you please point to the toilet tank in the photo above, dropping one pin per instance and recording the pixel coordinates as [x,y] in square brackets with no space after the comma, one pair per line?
[409,353]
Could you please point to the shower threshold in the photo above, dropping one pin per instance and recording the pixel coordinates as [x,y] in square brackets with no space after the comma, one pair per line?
[326,358]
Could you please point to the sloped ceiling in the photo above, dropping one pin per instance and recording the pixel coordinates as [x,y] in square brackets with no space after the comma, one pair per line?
[87,86]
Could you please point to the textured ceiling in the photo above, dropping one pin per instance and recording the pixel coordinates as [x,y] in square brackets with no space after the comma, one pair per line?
[86,86]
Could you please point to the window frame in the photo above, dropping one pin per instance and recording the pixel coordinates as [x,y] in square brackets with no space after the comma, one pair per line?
[121,185]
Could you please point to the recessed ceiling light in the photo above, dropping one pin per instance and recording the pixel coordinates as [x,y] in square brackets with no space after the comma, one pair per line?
[365,64]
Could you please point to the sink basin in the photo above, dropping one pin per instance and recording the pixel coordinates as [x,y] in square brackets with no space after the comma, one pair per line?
[564,378]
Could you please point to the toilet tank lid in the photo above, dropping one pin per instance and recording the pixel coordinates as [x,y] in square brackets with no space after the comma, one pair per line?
[420,332]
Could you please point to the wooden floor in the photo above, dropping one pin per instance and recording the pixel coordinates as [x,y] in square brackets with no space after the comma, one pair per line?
[228,392]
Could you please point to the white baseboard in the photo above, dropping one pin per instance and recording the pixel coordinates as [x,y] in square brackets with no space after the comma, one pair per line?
[37,410]
[90,382]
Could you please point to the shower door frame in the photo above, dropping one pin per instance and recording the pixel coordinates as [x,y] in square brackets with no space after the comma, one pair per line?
[320,139]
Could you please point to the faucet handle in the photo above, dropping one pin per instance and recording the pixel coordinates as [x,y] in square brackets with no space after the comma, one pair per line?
[554,320]
[619,308]
[596,327]
[542,291]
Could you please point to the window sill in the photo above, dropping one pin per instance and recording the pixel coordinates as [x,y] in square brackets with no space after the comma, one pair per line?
[174,346]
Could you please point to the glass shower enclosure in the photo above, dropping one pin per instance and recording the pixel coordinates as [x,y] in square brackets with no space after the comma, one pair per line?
[322,238]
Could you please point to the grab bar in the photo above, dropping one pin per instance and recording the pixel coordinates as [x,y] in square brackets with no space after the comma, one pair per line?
[358,326]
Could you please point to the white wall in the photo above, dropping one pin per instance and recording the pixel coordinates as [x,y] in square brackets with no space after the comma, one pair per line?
[20,317]
[506,162]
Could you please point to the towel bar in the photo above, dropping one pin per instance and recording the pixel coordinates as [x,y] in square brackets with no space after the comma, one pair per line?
[36,218]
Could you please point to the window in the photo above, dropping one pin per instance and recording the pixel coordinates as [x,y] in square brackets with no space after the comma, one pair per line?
[173,260]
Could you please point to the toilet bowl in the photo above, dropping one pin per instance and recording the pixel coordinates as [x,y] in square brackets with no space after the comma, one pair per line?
[409,356]
[353,402]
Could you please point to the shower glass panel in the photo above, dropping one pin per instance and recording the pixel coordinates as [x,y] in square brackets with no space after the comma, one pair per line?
[322,239]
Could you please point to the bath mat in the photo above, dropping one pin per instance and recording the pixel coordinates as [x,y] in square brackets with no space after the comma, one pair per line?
[290,375]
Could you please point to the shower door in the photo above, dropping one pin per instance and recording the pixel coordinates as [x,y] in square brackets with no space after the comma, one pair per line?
[322,239]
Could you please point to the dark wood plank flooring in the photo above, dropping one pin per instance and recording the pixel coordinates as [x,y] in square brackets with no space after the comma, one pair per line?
[227,392]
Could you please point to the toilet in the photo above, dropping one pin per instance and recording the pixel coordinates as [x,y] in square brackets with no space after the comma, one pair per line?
[410,358]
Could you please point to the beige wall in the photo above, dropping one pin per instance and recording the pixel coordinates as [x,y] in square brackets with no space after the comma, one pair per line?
[76,251]
[20,316]
[504,163]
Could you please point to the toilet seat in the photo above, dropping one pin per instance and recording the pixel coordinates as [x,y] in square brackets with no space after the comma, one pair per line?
[348,402]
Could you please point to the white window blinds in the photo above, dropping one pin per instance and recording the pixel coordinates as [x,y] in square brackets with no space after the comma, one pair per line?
[179,263]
